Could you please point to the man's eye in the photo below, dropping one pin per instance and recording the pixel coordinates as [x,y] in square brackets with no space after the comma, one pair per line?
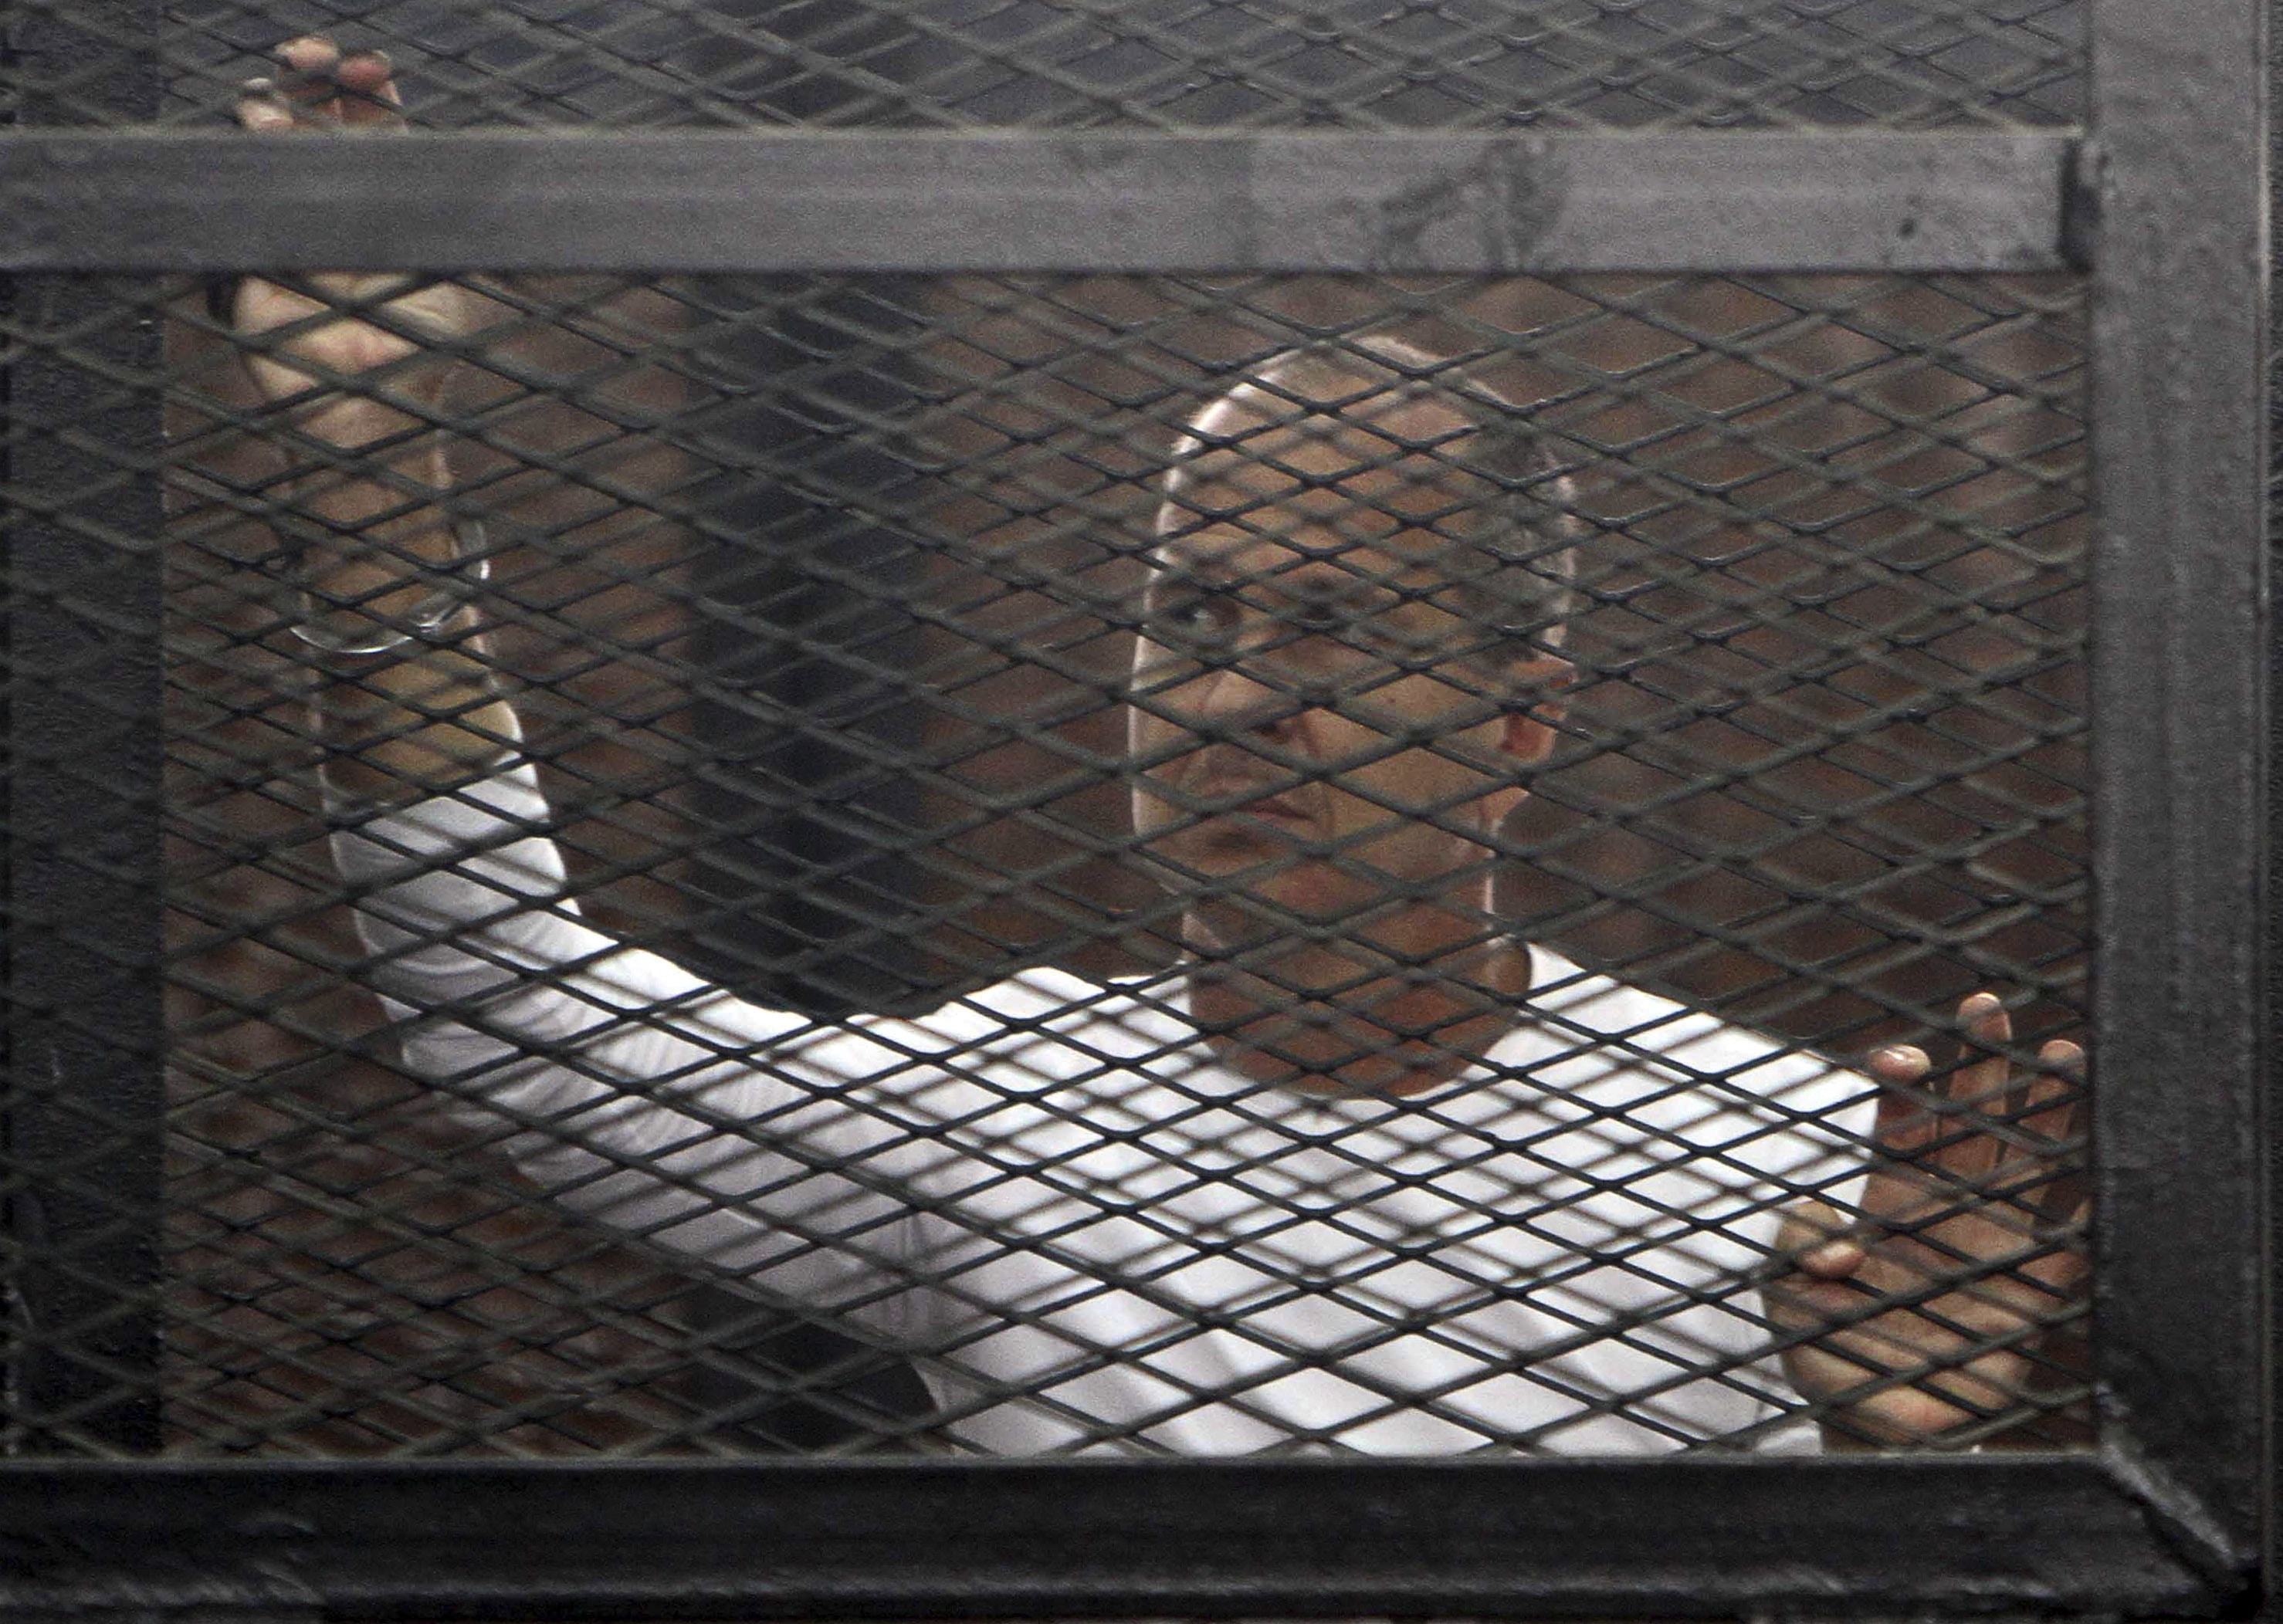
[1193,623]
[1362,623]
[1320,619]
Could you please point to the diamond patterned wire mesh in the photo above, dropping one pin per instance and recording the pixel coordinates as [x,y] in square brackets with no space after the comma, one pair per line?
[1076,63]
[818,599]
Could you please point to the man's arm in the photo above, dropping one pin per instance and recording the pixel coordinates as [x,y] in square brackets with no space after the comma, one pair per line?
[358,367]
[637,1093]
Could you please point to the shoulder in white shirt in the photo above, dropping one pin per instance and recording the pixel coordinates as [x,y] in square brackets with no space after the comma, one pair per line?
[1096,1238]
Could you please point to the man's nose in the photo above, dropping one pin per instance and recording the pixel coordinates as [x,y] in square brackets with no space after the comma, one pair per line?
[1245,701]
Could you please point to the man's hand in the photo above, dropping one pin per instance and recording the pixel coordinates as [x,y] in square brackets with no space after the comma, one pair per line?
[304,340]
[1929,1316]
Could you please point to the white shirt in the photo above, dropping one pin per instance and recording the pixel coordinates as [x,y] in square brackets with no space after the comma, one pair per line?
[1096,1237]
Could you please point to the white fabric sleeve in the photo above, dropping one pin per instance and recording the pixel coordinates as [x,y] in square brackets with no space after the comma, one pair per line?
[640,1095]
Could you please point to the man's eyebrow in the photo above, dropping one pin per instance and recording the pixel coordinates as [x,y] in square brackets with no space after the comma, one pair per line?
[1415,578]
[1180,572]
[1317,588]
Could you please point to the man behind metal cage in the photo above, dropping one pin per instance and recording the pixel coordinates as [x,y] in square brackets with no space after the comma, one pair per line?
[1366,1173]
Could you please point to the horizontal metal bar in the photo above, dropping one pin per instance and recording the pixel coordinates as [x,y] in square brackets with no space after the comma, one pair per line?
[1676,1538]
[775,201]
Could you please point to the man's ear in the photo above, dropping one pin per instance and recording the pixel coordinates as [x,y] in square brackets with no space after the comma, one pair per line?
[1530,724]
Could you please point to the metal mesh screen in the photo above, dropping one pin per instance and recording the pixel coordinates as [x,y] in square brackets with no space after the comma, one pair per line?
[1152,865]
[1168,63]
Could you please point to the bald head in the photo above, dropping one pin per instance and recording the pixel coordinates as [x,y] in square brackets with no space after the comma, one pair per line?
[1375,437]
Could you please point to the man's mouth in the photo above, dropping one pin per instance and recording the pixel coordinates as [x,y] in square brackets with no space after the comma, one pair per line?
[1249,800]
[1275,810]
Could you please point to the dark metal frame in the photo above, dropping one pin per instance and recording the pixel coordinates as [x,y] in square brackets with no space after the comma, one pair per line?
[2163,201]
[85,1034]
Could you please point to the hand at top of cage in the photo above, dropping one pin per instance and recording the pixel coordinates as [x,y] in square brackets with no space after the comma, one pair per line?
[371,348]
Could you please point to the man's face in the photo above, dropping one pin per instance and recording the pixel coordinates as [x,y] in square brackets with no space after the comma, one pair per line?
[1318,716]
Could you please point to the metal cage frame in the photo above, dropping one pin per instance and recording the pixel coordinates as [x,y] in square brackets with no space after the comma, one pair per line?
[2161,198]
